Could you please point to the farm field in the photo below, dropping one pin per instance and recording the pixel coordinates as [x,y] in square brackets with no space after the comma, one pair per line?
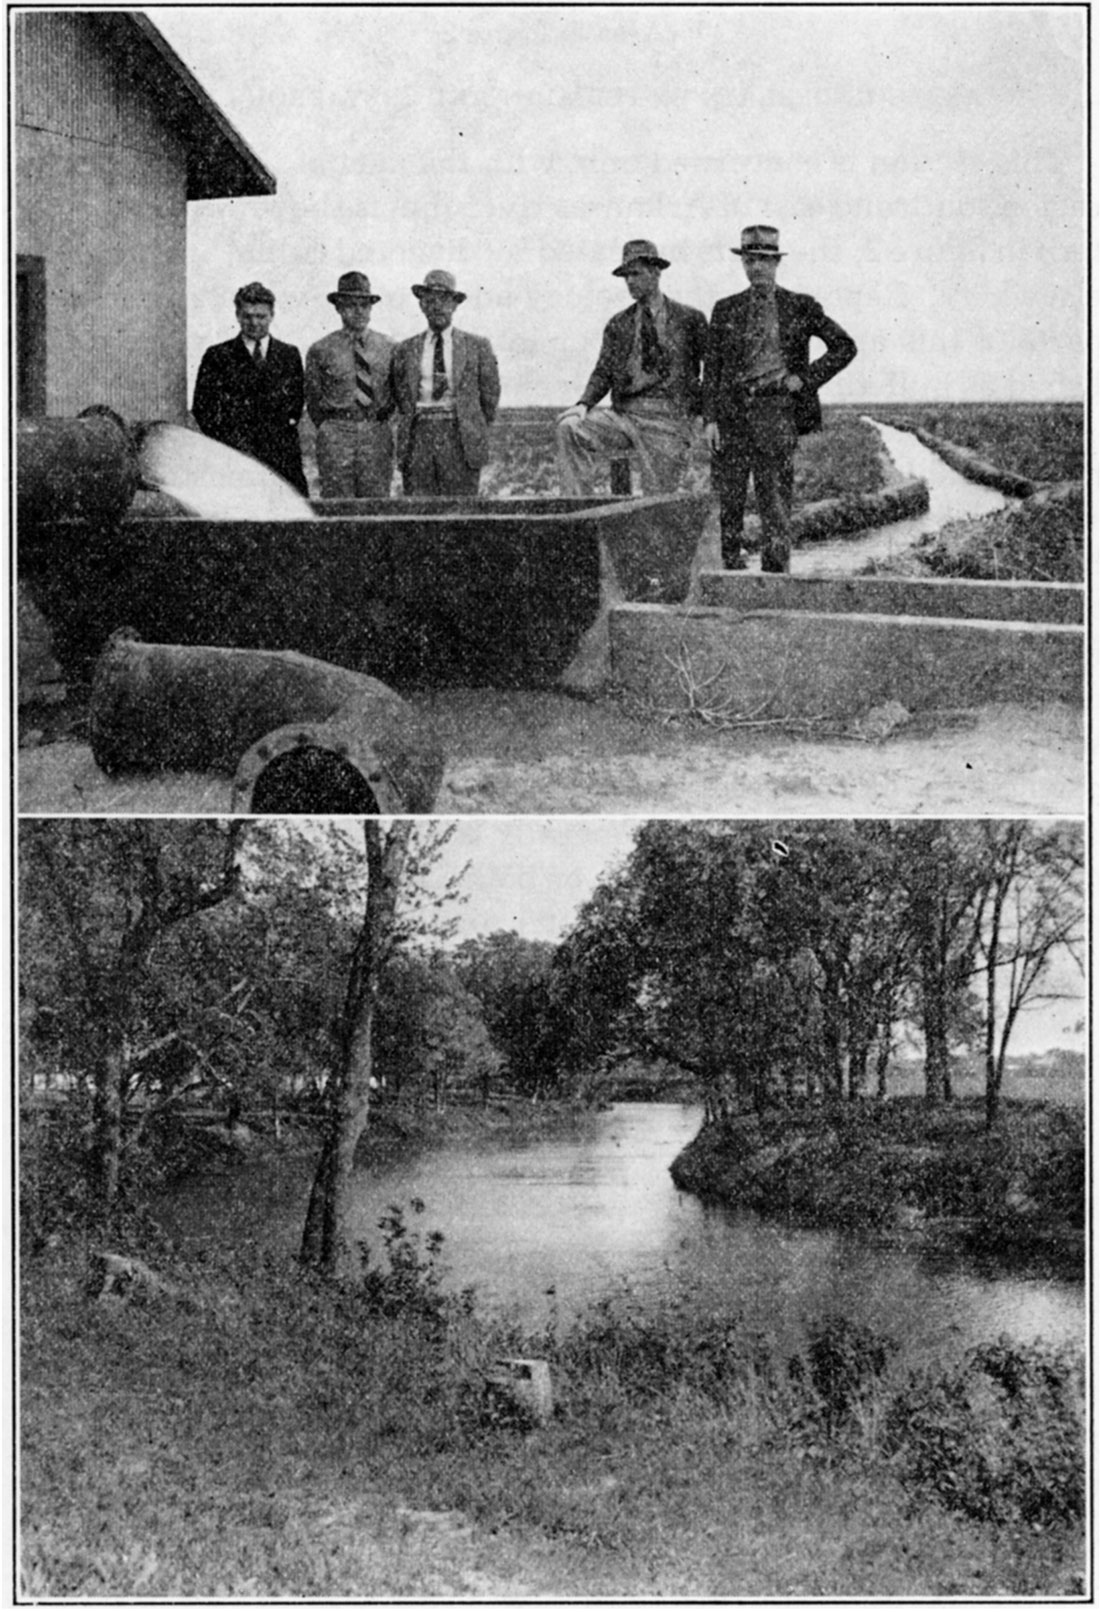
[843,458]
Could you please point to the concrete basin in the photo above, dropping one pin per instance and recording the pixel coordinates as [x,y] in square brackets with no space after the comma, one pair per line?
[499,593]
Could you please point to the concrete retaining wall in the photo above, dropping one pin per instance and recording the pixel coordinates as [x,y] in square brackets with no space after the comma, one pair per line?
[803,665]
[951,598]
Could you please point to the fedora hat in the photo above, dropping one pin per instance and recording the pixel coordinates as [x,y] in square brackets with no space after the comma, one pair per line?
[439,280]
[759,240]
[353,287]
[640,252]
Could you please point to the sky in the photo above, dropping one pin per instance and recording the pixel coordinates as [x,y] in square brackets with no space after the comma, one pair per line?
[923,164]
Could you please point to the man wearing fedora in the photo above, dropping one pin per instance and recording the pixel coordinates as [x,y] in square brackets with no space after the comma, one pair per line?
[249,391]
[447,388]
[349,397]
[650,361]
[760,395]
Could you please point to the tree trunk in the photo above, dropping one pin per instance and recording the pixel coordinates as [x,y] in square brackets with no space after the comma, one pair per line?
[324,1240]
[108,1124]
[937,1077]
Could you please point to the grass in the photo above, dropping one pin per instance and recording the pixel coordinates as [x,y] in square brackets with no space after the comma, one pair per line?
[293,1440]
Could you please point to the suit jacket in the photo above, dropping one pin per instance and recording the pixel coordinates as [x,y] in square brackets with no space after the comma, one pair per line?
[255,410]
[800,317]
[686,338]
[475,382]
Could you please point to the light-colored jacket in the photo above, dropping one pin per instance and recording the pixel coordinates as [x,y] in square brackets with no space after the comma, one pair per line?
[475,383]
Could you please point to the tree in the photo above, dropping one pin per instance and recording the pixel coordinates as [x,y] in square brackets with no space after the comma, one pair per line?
[667,960]
[431,1035]
[1035,910]
[945,870]
[510,977]
[98,897]
[396,863]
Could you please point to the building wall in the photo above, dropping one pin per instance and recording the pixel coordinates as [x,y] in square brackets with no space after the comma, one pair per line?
[100,197]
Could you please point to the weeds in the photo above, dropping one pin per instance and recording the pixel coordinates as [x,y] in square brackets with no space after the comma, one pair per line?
[277,1448]
[999,1437]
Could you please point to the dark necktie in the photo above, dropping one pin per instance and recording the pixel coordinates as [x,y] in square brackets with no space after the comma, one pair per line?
[439,370]
[655,360]
[258,356]
[364,391]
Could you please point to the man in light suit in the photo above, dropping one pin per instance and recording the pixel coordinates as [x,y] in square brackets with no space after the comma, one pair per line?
[447,387]
[249,392]
[650,361]
[349,398]
[760,395]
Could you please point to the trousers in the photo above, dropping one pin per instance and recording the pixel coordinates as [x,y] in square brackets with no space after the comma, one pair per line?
[654,433]
[759,444]
[355,458]
[436,465]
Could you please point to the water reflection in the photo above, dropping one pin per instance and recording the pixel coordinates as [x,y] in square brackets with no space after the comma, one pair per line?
[596,1214]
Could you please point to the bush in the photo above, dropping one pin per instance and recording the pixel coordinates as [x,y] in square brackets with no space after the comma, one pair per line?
[1000,1437]
[845,1361]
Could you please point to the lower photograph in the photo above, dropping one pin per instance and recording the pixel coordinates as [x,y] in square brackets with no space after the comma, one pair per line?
[569,1209]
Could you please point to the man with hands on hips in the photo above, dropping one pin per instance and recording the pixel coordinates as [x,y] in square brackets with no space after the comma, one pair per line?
[760,394]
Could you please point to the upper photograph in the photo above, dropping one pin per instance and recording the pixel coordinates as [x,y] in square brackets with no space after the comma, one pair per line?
[584,418]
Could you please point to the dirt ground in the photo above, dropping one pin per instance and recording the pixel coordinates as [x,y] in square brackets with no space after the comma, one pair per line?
[551,754]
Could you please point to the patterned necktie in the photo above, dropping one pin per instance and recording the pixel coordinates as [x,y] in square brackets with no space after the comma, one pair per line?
[439,370]
[655,360]
[364,391]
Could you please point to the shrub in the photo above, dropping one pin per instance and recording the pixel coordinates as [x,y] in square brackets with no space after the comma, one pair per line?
[999,1437]
[413,1276]
[845,1360]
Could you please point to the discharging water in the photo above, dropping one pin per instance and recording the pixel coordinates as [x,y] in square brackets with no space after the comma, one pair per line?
[214,482]
[951,497]
[550,1227]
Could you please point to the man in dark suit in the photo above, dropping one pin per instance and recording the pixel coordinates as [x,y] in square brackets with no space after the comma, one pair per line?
[650,360]
[250,391]
[446,386]
[760,395]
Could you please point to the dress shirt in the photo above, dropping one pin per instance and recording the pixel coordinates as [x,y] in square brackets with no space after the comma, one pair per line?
[262,344]
[764,356]
[446,404]
[330,374]
[641,379]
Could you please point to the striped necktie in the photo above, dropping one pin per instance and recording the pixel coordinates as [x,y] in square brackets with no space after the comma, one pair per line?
[364,391]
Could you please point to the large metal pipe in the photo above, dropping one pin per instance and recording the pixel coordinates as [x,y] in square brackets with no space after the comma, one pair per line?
[294,733]
[81,469]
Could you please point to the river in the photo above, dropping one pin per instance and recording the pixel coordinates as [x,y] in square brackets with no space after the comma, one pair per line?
[951,497]
[546,1228]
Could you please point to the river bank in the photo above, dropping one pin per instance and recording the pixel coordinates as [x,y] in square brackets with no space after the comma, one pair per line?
[261,1435]
[901,1169]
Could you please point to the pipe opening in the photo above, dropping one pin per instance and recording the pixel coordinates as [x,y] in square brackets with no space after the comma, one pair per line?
[311,780]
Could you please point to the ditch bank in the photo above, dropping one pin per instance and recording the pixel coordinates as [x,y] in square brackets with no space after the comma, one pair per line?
[972,465]
[901,1170]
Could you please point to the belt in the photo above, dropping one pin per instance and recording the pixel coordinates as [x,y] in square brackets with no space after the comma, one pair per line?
[754,389]
[375,417]
[436,414]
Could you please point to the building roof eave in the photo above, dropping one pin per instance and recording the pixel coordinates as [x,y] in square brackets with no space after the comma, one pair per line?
[220,163]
